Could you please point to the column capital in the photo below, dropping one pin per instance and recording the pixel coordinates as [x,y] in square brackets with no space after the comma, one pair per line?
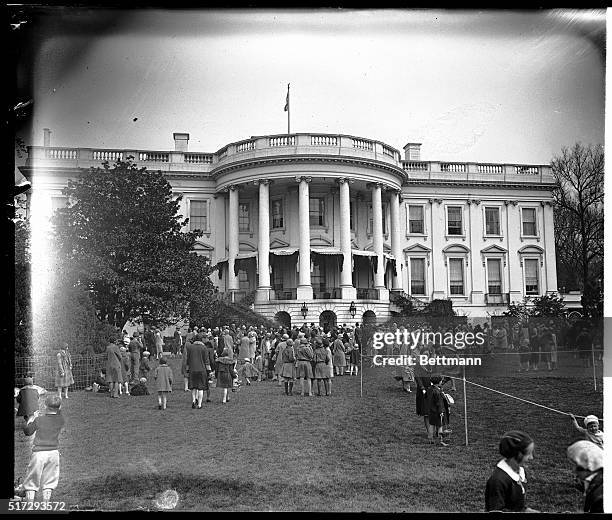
[513,202]
[545,203]
[473,201]
[372,185]
[342,180]
[303,178]
[437,201]
[233,187]
[265,182]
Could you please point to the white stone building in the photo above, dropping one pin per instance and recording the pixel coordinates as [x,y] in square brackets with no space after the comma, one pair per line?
[325,228]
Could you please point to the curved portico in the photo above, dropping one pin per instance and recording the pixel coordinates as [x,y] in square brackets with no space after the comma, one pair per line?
[328,190]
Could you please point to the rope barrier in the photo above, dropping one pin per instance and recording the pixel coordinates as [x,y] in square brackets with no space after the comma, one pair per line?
[518,398]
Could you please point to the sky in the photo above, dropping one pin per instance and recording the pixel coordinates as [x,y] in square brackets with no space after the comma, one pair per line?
[495,86]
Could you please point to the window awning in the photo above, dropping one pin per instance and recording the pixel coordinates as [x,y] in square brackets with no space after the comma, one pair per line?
[358,252]
[250,254]
[286,251]
[326,250]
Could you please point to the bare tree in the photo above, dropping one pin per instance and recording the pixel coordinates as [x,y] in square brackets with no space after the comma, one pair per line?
[579,172]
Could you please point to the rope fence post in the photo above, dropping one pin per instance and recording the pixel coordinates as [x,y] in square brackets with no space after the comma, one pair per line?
[593,362]
[465,420]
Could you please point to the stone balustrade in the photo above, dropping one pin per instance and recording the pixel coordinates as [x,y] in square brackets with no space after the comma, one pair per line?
[304,144]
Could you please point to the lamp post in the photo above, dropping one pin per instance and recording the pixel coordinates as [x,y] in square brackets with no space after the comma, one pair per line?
[353,309]
[304,310]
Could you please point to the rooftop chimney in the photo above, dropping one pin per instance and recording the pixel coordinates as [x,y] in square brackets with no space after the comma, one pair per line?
[180,142]
[47,137]
[413,151]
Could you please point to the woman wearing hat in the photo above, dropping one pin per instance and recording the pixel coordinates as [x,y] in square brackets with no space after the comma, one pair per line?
[339,357]
[63,377]
[288,366]
[225,372]
[587,460]
[113,368]
[505,490]
[278,359]
[304,356]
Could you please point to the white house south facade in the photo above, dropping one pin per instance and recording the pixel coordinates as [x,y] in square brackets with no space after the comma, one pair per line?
[328,228]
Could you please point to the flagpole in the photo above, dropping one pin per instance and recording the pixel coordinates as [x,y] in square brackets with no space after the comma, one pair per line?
[288,111]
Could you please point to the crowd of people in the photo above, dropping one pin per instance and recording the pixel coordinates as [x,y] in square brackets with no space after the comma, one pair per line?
[229,356]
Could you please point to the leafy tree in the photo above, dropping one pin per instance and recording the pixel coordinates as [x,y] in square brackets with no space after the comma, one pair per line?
[579,172]
[121,237]
[23,308]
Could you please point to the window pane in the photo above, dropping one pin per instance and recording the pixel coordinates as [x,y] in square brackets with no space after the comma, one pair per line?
[244,218]
[455,269]
[243,280]
[198,215]
[494,276]
[417,276]
[454,221]
[317,212]
[531,276]
[415,217]
[529,221]
[492,221]
[277,214]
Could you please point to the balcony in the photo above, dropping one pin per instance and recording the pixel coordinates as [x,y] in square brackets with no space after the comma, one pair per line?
[285,294]
[367,294]
[497,299]
[330,293]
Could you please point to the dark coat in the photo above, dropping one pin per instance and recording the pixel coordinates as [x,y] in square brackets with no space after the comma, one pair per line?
[503,494]
[593,500]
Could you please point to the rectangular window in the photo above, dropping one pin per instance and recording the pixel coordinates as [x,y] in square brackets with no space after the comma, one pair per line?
[277,279]
[198,215]
[317,277]
[244,217]
[417,276]
[455,221]
[243,280]
[455,271]
[278,220]
[529,222]
[531,276]
[494,276]
[317,212]
[492,221]
[416,221]
[371,219]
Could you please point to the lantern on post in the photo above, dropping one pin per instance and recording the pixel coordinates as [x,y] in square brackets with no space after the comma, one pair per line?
[304,310]
[353,309]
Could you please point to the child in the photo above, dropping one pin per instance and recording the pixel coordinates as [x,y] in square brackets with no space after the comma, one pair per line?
[100,385]
[125,371]
[28,398]
[145,367]
[436,410]
[259,366]
[44,467]
[591,429]
[140,388]
[248,370]
[164,377]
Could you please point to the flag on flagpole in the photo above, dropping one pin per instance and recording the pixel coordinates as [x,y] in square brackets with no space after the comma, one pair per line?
[287,99]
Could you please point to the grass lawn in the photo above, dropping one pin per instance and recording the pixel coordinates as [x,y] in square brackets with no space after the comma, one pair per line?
[266,451]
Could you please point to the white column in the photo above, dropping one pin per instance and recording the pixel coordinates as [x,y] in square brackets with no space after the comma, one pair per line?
[346,279]
[396,246]
[304,288]
[549,247]
[263,242]
[233,238]
[377,232]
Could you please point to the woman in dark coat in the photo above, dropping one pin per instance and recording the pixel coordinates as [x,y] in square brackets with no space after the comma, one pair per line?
[422,380]
[63,377]
[113,368]
[225,372]
[505,490]
[339,359]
